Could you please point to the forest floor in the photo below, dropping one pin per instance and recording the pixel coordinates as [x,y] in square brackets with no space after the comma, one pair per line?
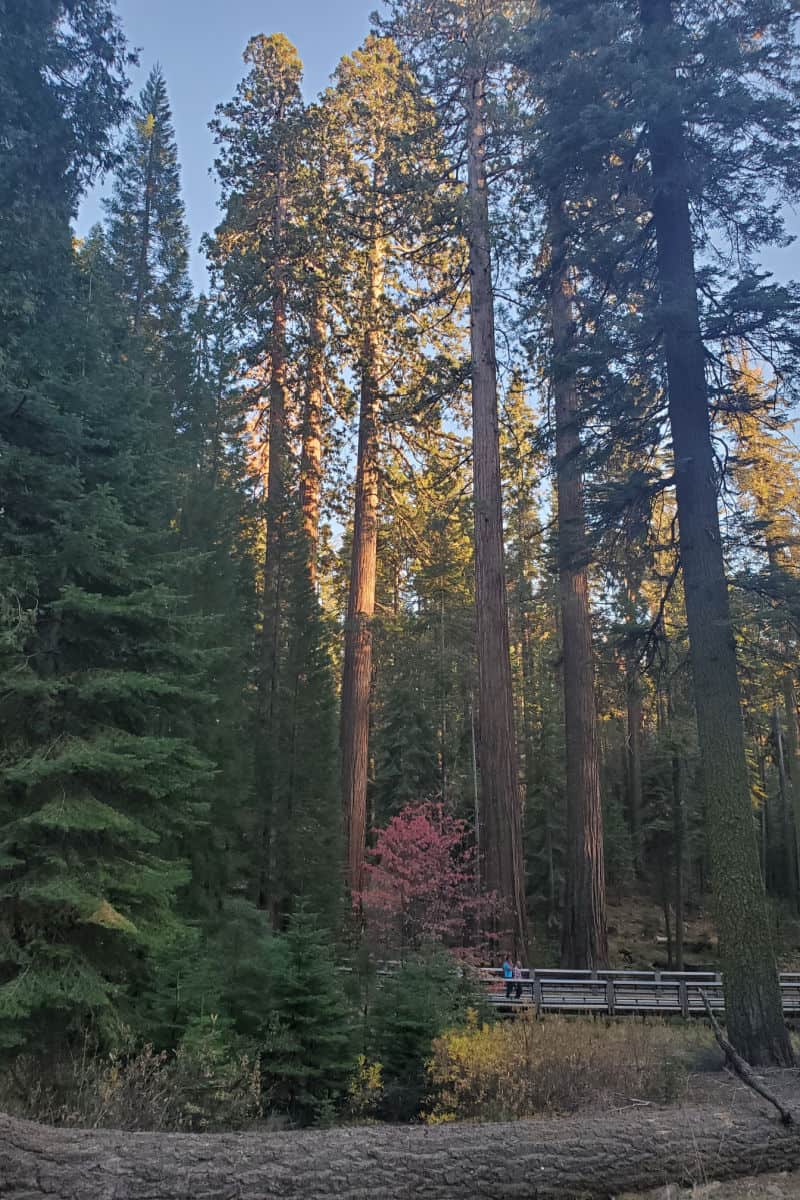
[723,1093]
[637,935]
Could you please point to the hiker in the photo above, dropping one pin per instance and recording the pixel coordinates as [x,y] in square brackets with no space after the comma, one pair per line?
[518,978]
[508,975]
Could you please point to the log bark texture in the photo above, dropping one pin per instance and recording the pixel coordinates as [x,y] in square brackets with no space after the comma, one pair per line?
[577,1157]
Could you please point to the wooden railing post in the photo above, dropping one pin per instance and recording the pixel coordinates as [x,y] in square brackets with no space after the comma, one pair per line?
[610,997]
[683,997]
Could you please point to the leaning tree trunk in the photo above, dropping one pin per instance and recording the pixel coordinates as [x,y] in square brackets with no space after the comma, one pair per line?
[269,884]
[753,1001]
[357,671]
[311,458]
[584,938]
[501,800]
[587,1157]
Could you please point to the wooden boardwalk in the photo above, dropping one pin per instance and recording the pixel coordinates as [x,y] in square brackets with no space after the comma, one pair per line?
[619,993]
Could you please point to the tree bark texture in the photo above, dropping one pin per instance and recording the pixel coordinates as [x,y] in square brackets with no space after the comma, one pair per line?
[679,852]
[787,881]
[755,1019]
[584,939]
[594,1157]
[311,458]
[357,672]
[269,897]
[501,799]
[633,690]
[793,767]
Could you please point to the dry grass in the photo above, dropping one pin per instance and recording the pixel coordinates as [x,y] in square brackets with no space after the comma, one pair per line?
[527,1068]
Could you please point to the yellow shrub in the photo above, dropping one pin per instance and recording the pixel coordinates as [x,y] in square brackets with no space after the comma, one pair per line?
[525,1067]
[366,1087]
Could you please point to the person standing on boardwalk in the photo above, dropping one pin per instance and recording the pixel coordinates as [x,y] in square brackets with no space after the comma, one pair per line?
[508,975]
[518,978]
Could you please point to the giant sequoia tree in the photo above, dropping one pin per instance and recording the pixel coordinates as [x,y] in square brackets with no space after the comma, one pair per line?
[392,280]
[210,512]
[454,49]
[584,939]
[671,138]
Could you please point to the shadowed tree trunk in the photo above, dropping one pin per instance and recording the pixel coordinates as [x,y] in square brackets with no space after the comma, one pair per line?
[357,672]
[591,1157]
[501,799]
[755,1019]
[584,939]
[311,460]
[787,885]
[793,769]
[679,842]
[633,694]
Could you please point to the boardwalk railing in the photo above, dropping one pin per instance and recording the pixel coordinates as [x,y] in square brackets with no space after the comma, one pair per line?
[615,993]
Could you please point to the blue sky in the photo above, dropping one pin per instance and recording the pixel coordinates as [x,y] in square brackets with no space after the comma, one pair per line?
[199,44]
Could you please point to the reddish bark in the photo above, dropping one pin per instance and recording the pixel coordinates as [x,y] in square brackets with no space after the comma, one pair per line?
[500,793]
[584,939]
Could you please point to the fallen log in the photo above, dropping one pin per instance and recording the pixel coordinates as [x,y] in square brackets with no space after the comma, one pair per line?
[573,1157]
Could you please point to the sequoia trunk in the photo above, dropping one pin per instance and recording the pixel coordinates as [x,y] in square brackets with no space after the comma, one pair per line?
[357,673]
[584,939]
[755,1019]
[311,462]
[501,807]
[273,568]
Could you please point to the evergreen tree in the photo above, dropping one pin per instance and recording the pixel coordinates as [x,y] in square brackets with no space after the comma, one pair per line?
[99,771]
[257,133]
[310,1053]
[413,1006]
[147,233]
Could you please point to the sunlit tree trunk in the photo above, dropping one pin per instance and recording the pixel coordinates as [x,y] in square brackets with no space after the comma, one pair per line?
[501,808]
[357,673]
[273,566]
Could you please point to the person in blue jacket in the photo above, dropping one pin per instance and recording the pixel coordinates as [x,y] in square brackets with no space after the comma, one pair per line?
[508,975]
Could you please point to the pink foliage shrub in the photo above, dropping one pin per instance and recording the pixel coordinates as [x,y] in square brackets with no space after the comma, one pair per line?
[421,880]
